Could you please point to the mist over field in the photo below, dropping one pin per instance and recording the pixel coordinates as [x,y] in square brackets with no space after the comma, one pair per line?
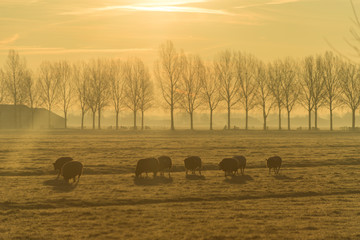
[315,195]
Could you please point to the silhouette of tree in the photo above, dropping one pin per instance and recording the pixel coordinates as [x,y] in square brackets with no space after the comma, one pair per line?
[81,87]
[116,87]
[49,87]
[264,98]
[31,87]
[245,74]
[190,86]
[210,90]
[350,87]
[146,94]
[224,65]
[330,68]
[168,73]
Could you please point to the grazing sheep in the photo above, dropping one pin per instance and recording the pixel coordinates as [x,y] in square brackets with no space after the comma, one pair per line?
[242,163]
[229,166]
[164,163]
[71,170]
[59,163]
[147,165]
[275,163]
[192,163]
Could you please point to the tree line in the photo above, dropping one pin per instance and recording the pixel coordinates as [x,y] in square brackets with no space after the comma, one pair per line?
[233,80]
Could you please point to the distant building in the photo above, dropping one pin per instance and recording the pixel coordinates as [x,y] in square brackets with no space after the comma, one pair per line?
[25,119]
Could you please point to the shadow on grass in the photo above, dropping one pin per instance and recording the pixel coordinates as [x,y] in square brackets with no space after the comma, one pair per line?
[60,185]
[147,181]
[286,178]
[195,177]
[242,179]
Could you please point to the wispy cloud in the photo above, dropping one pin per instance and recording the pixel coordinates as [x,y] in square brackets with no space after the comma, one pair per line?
[154,7]
[39,50]
[9,40]
[272,2]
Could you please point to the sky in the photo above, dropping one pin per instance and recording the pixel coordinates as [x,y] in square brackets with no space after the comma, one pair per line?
[81,29]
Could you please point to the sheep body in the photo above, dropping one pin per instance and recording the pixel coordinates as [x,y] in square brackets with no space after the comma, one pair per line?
[71,170]
[192,163]
[274,163]
[147,165]
[229,166]
[59,163]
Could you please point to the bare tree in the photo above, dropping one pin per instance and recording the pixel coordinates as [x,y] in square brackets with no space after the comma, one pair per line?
[14,78]
[307,82]
[63,71]
[192,77]
[168,73]
[49,87]
[31,87]
[117,86]
[133,72]
[275,85]
[210,90]
[80,77]
[318,89]
[245,74]
[330,67]
[350,86]
[146,94]
[98,94]
[290,86]
[229,86]
[2,90]
[265,98]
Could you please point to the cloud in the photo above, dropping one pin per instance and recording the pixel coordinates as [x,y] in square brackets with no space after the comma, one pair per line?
[273,2]
[154,7]
[9,40]
[39,50]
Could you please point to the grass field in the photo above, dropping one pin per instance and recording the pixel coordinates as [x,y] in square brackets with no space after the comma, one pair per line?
[315,196]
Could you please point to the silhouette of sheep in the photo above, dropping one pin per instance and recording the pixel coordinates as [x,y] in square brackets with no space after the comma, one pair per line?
[241,163]
[275,163]
[192,163]
[59,163]
[229,166]
[164,163]
[146,165]
[71,170]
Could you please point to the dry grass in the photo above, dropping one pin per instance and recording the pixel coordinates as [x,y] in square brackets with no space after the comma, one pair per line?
[316,195]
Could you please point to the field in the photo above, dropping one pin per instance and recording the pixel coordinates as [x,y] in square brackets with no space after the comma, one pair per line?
[315,196]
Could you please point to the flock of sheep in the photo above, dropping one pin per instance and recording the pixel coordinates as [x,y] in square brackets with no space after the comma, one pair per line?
[70,169]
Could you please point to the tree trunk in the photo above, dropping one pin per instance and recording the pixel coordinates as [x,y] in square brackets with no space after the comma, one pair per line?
[229,114]
[32,118]
[134,119]
[65,116]
[172,117]
[279,106]
[142,120]
[353,119]
[309,110]
[99,117]
[331,118]
[15,115]
[94,112]
[117,120]
[246,118]
[49,117]
[82,119]
[315,118]
[289,120]
[264,116]
[191,121]
[211,119]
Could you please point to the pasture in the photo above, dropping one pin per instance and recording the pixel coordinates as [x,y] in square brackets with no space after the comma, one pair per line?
[315,196]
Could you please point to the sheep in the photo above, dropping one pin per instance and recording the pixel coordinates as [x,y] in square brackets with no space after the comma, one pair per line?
[241,163]
[147,165]
[229,166]
[164,163]
[192,163]
[275,163]
[71,170]
[59,163]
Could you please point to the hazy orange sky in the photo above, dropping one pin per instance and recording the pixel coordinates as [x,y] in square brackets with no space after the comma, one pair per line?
[79,29]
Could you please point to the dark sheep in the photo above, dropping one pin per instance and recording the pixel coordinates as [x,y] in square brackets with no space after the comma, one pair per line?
[71,170]
[229,166]
[59,163]
[147,165]
[241,163]
[192,163]
[275,163]
[164,163]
